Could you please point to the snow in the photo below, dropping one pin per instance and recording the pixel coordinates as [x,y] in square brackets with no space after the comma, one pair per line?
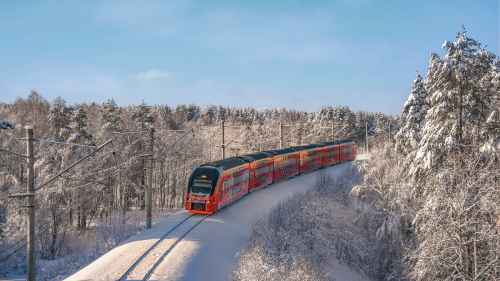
[211,250]
[363,157]
[19,278]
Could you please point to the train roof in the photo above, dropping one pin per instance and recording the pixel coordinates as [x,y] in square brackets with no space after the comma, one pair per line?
[227,163]
[308,146]
[281,151]
[326,143]
[255,156]
[231,162]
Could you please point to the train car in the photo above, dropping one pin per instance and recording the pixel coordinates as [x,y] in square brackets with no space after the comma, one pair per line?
[286,163]
[330,153]
[215,185]
[310,157]
[347,151]
[261,169]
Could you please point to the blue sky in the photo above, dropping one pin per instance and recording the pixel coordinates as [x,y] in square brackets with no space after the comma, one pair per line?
[296,54]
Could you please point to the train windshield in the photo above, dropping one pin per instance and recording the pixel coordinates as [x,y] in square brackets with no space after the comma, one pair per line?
[203,180]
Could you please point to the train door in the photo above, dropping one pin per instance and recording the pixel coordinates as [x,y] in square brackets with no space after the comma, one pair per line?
[227,183]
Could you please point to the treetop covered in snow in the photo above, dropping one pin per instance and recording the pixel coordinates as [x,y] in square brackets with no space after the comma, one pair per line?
[455,106]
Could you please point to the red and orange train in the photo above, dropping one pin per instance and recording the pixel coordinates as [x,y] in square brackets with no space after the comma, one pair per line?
[214,185]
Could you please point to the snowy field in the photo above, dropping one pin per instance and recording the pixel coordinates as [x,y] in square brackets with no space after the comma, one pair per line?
[211,250]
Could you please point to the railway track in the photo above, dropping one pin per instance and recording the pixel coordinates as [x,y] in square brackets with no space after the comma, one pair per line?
[147,263]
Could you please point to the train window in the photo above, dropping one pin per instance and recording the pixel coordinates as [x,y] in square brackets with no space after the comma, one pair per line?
[227,184]
[262,170]
[203,180]
[242,178]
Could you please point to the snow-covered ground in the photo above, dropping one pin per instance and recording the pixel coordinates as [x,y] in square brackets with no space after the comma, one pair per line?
[362,157]
[211,250]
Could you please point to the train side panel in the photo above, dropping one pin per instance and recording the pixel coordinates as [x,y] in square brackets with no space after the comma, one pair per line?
[354,151]
[234,185]
[261,173]
[310,159]
[317,158]
[286,166]
[332,155]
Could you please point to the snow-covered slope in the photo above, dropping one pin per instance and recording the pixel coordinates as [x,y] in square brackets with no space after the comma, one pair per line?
[210,251]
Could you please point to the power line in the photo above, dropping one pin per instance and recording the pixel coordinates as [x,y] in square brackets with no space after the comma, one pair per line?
[13,153]
[64,143]
[8,256]
[73,165]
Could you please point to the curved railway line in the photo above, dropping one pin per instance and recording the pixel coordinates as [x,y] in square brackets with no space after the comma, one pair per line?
[147,263]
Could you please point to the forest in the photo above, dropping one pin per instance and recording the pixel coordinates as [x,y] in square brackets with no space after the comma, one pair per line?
[102,199]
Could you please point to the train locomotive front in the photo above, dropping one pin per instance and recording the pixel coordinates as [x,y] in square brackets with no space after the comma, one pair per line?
[201,197]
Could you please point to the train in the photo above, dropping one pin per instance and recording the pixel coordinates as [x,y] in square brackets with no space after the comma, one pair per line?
[215,185]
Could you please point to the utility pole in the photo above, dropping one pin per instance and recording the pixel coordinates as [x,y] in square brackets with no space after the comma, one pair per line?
[30,189]
[300,134]
[149,187]
[333,129]
[30,193]
[281,135]
[366,136]
[390,131]
[223,145]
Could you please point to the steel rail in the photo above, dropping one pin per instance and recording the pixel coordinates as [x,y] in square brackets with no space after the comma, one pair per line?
[124,276]
[162,257]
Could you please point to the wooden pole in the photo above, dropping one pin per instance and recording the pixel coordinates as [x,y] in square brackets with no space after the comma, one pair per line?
[281,135]
[300,134]
[223,145]
[366,136]
[390,131]
[333,129]
[149,187]
[30,188]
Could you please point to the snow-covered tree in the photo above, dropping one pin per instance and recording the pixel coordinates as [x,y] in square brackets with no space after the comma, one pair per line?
[458,105]
[412,117]
[111,119]
[59,118]
[79,126]
[142,116]
[490,133]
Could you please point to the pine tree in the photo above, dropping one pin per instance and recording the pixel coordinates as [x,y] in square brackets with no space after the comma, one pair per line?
[143,117]
[458,105]
[490,133]
[110,117]
[79,126]
[59,118]
[412,117]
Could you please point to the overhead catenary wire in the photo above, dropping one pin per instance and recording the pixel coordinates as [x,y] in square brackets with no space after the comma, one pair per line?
[73,165]
[64,143]
[13,153]
[8,256]
[116,168]
[20,244]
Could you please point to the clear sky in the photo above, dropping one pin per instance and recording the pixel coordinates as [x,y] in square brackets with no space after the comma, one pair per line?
[296,54]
